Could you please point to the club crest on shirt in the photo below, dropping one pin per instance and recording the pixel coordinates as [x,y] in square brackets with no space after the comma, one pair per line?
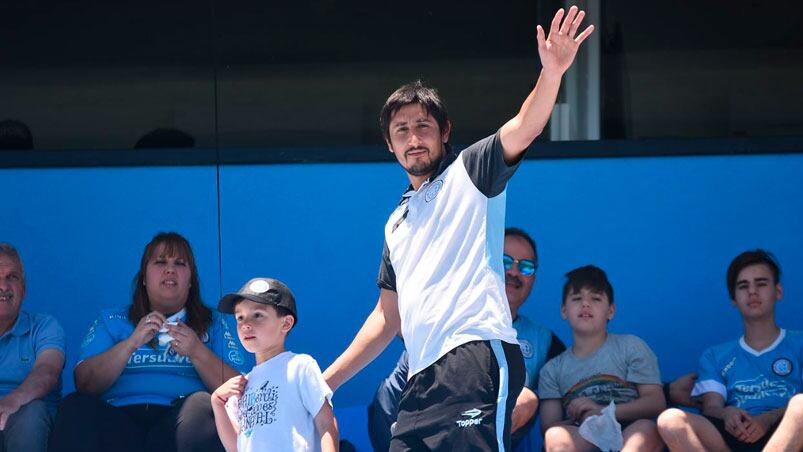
[433,190]
[782,367]
[526,348]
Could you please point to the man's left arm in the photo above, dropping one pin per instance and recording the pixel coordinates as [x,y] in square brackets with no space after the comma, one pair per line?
[527,402]
[40,381]
[526,406]
[557,52]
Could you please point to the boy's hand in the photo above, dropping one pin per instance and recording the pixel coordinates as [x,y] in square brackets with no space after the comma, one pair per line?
[234,386]
[736,422]
[758,427]
[582,407]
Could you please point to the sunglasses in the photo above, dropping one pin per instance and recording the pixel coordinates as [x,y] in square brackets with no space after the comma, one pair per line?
[526,266]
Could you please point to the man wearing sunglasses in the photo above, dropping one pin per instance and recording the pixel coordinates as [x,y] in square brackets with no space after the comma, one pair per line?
[538,343]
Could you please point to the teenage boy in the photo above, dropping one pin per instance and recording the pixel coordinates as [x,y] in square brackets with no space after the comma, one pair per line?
[598,368]
[284,400]
[746,384]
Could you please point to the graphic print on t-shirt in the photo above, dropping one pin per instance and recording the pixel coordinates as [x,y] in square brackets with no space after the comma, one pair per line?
[760,388]
[258,408]
[602,389]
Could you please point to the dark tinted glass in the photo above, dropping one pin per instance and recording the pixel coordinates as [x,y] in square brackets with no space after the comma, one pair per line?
[91,74]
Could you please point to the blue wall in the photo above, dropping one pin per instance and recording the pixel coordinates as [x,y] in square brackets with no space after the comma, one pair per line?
[664,229]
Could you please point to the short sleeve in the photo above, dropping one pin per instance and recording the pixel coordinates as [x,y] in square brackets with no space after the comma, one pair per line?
[49,334]
[548,387]
[97,340]
[486,166]
[312,387]
[708,377]
[226,345]
[387,277]
[642,364]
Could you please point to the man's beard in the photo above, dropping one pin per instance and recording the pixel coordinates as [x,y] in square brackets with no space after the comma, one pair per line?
[422,168]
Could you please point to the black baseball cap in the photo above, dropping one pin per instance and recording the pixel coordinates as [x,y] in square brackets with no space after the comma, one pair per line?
[261,290]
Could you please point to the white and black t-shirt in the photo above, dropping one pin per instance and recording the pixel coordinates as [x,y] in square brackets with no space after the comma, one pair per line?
[443,255]
[278,407]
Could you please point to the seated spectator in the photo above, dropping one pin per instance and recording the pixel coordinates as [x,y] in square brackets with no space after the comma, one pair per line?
[15,135]
[145,372]
[538,345]
[31,360]
[599,368]
[746,384]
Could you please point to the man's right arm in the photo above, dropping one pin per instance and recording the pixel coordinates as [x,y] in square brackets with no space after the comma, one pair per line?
[376,333]
[38,383]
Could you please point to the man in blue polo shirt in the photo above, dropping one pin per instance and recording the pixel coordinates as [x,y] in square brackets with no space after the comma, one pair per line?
[31,360]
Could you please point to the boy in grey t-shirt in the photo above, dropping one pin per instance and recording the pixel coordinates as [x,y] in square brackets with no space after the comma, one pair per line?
[598,368]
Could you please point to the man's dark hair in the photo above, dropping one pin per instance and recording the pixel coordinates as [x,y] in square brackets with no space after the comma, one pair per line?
[587,277]
[15,135]
[414,93]
[748,258]
[521,233]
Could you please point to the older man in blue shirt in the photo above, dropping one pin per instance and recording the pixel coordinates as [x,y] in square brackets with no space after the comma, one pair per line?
[31,361]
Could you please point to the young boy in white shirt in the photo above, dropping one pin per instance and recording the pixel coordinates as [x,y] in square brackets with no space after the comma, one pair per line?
[283,404]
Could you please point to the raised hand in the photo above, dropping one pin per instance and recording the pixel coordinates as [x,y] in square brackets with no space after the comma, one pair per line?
[557,51]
